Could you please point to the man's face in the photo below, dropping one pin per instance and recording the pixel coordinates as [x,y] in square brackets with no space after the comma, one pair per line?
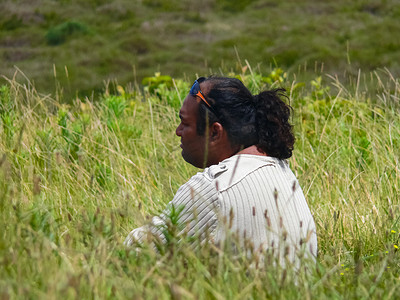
[193,145]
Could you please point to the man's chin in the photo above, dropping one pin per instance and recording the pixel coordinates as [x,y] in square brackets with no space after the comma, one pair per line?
[189,160]
[184,155]
[186,158]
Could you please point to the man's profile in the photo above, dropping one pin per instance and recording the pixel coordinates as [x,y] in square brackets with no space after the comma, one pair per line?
[247,188]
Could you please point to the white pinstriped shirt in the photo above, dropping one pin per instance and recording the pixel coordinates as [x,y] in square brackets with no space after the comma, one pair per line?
[256,198]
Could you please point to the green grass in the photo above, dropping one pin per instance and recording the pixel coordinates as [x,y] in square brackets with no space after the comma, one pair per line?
[75,179]
[127,40]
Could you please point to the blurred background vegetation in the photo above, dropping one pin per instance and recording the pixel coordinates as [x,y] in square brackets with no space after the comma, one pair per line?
[80,45]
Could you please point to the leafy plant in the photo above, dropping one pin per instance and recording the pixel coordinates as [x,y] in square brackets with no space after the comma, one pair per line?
[157,81]
[115,106]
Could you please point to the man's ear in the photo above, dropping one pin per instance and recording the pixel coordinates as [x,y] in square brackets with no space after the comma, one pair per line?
[216,132]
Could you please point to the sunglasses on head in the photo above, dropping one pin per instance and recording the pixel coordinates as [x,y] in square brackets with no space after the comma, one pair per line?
[196,91]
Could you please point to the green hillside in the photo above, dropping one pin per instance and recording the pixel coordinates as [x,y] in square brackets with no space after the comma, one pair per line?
[83,44]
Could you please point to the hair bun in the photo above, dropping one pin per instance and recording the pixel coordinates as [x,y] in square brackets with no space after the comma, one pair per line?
[255,100]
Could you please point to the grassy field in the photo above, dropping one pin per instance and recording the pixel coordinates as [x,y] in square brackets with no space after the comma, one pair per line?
[82,44]
[76,178]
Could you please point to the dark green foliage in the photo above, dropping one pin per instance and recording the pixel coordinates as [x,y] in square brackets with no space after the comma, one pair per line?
[234,6]
[60,33]
[11,23]
[287,58]
[195,17]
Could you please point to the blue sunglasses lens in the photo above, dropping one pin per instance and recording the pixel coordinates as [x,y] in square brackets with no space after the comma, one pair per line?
[195,88]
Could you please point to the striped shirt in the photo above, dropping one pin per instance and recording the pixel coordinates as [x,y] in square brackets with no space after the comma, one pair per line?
[255,198]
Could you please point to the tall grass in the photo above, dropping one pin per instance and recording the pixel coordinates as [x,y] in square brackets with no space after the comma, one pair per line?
[75,179]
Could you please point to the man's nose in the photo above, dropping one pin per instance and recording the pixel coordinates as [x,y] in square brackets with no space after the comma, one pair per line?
[178,130]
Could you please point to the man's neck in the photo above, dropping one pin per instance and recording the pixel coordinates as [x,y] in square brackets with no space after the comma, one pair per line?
[252,150]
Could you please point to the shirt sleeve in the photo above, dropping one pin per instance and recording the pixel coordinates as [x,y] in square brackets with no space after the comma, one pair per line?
[192,212]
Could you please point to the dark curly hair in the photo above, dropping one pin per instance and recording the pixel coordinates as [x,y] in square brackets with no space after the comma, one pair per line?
[261,120]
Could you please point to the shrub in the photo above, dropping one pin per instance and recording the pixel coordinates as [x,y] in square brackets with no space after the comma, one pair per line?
[58,34]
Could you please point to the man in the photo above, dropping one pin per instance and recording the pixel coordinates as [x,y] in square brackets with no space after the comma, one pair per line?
[247,189]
